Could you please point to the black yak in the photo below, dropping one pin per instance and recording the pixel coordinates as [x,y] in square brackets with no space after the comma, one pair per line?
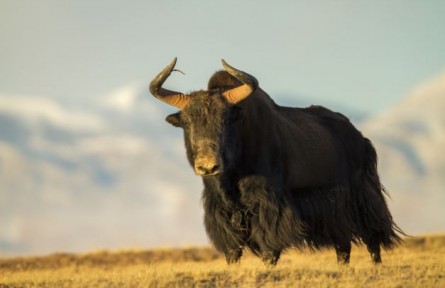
[278,177]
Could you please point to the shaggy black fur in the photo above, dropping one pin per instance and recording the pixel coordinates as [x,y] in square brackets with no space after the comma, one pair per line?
[293,177]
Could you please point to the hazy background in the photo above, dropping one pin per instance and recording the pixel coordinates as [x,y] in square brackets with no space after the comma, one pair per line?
[87,161]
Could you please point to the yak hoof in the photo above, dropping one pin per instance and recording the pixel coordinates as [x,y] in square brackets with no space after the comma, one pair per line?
[270,258]
[233,256]
[376,258]
[343,258]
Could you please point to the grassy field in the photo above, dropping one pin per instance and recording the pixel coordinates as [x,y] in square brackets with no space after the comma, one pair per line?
[420,262]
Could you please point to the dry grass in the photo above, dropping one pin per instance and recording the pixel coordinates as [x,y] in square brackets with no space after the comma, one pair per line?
[420,262]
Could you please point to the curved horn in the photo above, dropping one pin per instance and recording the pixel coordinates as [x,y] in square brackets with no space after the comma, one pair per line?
[239,93]
[173,98]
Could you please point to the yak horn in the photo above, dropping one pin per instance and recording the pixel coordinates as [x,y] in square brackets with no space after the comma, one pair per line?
[250,84]
[173,98]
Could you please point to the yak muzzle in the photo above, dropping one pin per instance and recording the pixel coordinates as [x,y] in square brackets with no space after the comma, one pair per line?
[206,166]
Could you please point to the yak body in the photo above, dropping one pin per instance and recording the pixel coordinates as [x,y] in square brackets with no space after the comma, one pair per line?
[304,176]
[284,177]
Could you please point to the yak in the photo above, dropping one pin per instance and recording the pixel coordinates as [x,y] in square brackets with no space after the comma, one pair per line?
[278,177]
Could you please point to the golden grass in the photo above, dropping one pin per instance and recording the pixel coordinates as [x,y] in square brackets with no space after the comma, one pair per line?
[420,262]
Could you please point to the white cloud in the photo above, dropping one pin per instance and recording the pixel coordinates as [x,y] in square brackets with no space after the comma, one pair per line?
[123,99]
[39,108]
[132,98]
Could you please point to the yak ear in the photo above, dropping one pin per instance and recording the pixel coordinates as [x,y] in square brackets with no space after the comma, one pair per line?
[174,119]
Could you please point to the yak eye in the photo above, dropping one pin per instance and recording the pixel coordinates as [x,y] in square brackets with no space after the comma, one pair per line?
[236,113]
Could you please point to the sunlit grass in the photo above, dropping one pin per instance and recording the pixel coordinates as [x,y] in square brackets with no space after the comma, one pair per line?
[420,262]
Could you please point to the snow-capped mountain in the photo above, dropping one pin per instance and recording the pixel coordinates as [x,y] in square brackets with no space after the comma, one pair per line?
[410,141]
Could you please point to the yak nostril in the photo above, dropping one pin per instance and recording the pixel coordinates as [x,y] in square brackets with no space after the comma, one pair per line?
[214,169]
[201,169]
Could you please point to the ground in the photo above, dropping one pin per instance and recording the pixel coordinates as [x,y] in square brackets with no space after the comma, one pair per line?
[419,262]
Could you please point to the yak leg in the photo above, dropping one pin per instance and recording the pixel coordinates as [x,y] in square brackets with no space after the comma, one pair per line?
[269,255]
[225,239]
[343,253]
[374,251]
[373,245]
[233,255]
[342,244]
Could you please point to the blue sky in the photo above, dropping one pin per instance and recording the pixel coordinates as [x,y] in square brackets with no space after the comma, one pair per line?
[363,55]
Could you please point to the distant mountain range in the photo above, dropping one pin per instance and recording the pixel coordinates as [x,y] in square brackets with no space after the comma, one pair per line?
[105,175]
[112,174]
[410,141]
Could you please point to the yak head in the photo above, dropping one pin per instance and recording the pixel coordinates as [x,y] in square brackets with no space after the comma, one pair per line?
[208,119]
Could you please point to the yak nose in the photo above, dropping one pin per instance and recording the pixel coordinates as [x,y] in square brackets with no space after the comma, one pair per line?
[205,166]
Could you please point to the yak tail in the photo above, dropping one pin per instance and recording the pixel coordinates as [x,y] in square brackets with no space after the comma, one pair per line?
[376,224]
